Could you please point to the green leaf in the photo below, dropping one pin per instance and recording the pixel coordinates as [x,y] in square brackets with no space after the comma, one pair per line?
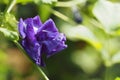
[1,18]
[48,1]
[8,26]
[10,22]
[18,1]
[9,34]
[108,14]
[116,58]
[116,33]
[44,12]
[117,78]
[36,1]
[24,1]
[3,56]
[4,67]
[81,33]
[4,1]
[87,56]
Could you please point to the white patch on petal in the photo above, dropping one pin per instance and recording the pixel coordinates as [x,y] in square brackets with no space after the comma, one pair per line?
[35,29]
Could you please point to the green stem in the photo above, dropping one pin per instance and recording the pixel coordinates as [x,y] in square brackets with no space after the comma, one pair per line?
[66,4]
[108,74]
[10,6]
[42,74]
[62,16]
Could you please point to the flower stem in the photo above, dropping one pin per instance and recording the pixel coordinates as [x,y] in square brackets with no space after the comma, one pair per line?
[42,74]
[108,73]
[10,6]
[66,4]
[62,16]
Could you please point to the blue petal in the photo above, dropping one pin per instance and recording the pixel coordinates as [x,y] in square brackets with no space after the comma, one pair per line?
[47,31]
[34,51]
[55,45]
[21,28]
[43,36]
[49,25]
[30,34]
[37,22]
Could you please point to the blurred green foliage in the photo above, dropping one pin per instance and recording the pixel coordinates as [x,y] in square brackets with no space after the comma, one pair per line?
[117,78]
[92,28]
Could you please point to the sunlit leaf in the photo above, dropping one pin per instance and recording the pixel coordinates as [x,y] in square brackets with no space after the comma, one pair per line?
[108,14]
[81,33]
[17,1]
[10,22]
[3,56]
[1,18]
[44,12]
[88,56]
[110,48]
[116,58]
[116,33]
[3,65]
[48,1]
[8,26]
[117,78]
[9,34]
[4,1]
[36,1]
[24,1]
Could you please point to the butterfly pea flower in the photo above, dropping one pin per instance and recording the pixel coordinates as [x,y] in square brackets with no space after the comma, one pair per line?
[39,38]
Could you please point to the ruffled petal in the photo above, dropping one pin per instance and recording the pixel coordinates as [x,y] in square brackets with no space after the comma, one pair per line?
[47,31]
[46,35]
[55,45]
[49,25]
[37,22]
[21,28]
[30,34]
[33,51]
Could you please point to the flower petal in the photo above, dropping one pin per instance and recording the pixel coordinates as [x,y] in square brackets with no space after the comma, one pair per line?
[49,25]
[43,36]
[34,51]
[47,31]
[37,22]
[30,34]
[21,28]
[55,45]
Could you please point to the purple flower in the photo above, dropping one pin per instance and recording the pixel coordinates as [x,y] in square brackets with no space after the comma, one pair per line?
[38,38]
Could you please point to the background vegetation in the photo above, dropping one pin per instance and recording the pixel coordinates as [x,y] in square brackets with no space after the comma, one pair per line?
[92,28]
